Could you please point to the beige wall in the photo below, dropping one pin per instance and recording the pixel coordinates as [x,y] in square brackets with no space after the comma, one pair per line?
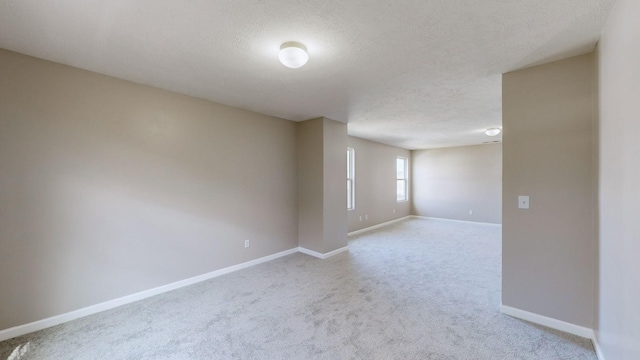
[375,184]
[310,184]
[322,185]
[335,185]
[108,188]
[548,250]
[452,182]
[618,330]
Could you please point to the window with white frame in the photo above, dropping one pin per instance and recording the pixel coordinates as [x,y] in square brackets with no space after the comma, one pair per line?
[402,184]
[351,199]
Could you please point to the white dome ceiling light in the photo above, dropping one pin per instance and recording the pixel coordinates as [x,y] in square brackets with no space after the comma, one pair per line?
[492,132]
[293,54]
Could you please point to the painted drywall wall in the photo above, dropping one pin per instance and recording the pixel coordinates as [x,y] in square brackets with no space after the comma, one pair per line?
[461,183]
[310,184]
[595,184]
[108,188]
[321,184]
[618,325]
[548,250]
[375,184]
[335,185]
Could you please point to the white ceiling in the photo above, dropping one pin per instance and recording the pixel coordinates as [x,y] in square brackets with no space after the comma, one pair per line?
[412,73]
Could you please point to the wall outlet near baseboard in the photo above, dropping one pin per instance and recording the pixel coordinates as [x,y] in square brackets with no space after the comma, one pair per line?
[470,212]
[523,202]
[246,244]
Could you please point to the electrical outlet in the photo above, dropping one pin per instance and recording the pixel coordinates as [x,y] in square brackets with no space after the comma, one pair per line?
[470,212]
[523,202]
[366,217]
[394,211]
[246,244]
[360,217]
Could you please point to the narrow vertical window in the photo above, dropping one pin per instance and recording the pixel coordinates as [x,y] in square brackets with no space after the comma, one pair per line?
[401,179]
[351,199]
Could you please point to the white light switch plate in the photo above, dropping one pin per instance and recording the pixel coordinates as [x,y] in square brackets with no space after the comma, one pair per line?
[523,202]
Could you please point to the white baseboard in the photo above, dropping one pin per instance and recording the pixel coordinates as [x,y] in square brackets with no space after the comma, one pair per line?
[322,256]
[596,346]
[93,309]
[454,220]
[377,226]
[548,322]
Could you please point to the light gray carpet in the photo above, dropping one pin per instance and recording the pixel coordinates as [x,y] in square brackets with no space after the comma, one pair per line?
[418,289]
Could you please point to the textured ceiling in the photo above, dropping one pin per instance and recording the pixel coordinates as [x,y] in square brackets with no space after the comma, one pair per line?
[414,73]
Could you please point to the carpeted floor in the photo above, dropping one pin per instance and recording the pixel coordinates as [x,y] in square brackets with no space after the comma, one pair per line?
[418,289]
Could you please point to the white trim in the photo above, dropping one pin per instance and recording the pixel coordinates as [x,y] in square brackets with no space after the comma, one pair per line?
[356,232]
[548,322]
[322,256]
[596,346]
[93,309]
[454,220]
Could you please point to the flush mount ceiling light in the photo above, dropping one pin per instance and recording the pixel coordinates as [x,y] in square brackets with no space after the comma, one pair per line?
[492,132]
[293,54]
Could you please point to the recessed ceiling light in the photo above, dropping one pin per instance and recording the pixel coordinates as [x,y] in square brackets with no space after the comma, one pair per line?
[492,132]
[293,54]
